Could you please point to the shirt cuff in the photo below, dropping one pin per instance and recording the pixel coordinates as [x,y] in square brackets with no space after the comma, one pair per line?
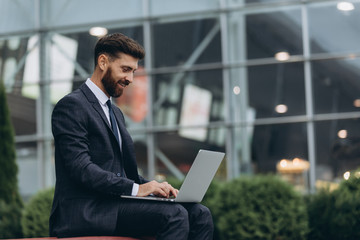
[135,189]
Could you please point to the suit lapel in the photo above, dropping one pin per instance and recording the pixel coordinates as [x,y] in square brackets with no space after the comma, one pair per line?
[95,103]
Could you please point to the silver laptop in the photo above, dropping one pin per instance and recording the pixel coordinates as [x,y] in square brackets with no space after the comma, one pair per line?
[196,181]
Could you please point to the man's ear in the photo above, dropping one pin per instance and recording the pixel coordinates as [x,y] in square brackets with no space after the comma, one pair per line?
[103,61]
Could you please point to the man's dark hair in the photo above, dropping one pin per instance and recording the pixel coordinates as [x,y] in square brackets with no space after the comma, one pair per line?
[116,43]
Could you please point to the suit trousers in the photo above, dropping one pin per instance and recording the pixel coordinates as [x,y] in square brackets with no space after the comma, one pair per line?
[165,220]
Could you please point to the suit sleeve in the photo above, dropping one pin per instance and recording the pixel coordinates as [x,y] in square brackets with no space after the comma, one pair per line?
[70,129]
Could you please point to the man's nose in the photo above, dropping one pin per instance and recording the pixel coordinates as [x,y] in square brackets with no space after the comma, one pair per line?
[130,77]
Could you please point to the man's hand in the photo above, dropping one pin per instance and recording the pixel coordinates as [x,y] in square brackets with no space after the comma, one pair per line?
[163,189]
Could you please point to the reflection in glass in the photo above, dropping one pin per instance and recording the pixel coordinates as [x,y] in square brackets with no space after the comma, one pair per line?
[175,153]
[272,143]
[337,149]
[26,159]
[173,48]
[61,66]
[336,85]
[282,149]
[273,32]
[268,1]
[195,110]
[13,54]
[333,30]
[64,13]
[165,7]
[23,114]
[22,109]
[277,90]
[175,94]
[57,95]
[17,16]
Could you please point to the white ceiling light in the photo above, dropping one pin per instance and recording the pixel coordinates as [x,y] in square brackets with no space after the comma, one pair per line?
[282,56]
[98,31]
[345,6]
[281,108]
[357,103]
[342,133]
[236,90]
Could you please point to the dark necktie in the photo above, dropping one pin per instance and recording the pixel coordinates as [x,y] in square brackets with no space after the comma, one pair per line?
[116,133]
[113,121]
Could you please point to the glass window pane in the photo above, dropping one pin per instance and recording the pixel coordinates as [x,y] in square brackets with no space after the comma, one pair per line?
[17,15]
[69,13]
[171,157]
[28,174]
[271,1]
[59,89]
[186,43]
[168,7]
[336,85]
[277,90]
[22,88]
[242,160]
[236,3]
[270,33]
[188,98]
[333,30]
[282,149]
[337,149]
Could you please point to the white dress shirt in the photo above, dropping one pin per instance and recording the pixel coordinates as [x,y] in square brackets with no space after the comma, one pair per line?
[102,98]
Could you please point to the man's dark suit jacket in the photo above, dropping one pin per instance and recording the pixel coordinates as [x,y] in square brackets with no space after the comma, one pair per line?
[87,161]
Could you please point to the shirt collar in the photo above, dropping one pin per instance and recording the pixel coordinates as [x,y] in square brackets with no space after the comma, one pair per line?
[99,94]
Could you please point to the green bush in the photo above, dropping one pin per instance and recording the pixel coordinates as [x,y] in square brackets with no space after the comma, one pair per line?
[35,219]
[319,207]
[259,207]
[211,201]
[10,201]
[10,215]
[336,215]
[9,169]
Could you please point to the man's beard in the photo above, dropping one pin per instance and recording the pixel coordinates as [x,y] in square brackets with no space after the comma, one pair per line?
[111,85]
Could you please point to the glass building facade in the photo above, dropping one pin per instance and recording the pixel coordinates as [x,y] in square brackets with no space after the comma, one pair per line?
[273,83]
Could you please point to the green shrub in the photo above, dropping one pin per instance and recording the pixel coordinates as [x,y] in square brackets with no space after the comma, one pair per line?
[176,183]
[10,201]
[10,215]
[35,220]
[259,207]
[319,207]
[9,169]
[211,201]
[336,215]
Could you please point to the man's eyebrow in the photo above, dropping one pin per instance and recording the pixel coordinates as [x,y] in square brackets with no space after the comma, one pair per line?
[127,66]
